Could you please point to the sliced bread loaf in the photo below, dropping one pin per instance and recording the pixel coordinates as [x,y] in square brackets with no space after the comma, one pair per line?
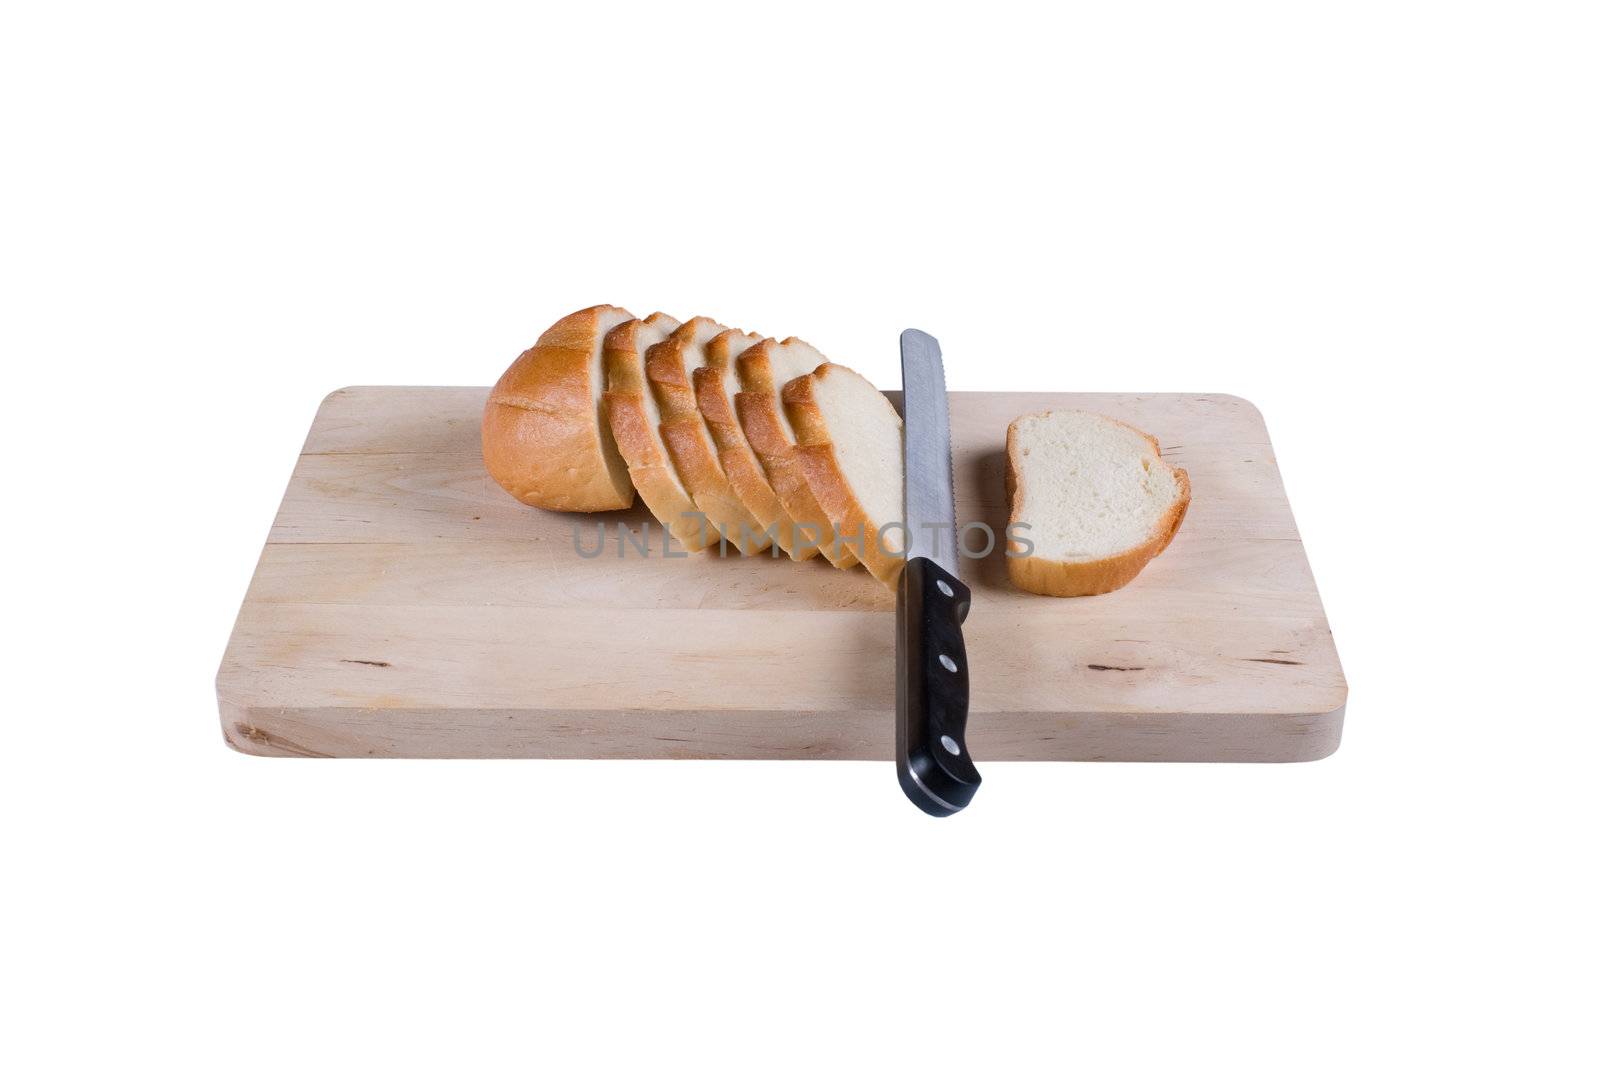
[739,462]
[763,370]
[851,449]
[1098,501]
[544,437]
[635,421]
[670,366]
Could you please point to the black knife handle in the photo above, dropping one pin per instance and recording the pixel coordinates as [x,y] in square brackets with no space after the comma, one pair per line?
[930,736]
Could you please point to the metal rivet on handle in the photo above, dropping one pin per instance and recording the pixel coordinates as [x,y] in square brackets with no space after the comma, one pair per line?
[950,745]
[943,587]
[947,662]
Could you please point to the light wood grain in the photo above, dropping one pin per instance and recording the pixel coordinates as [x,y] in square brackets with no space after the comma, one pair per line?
[405,606]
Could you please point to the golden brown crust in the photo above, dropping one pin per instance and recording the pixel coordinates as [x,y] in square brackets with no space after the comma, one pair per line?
[827,481]
[689,441]
[1045,576]
[665,368]
[639,442]
[722,350]
[739,462]
[544,439]
[757,407]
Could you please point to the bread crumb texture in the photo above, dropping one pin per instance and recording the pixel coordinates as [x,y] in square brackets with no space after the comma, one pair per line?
[1092,487]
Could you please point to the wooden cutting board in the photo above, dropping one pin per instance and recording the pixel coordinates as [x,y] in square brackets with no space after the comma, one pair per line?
[405,606]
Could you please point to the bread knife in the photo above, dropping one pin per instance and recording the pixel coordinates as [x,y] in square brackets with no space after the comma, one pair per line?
[931,671]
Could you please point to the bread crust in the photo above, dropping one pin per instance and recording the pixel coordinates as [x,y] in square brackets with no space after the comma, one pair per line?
[639,442]
[544,438]
[689,442]
[757,407]
[739,462]
[1098,576]
[826,479]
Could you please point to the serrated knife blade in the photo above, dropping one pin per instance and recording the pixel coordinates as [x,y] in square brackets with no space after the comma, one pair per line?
[930,481]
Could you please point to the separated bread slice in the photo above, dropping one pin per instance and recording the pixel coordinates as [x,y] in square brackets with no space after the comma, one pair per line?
[763,370]
[635,420]
[544,437]
[739,462]
[852,451]
[670,366]
[1097,500]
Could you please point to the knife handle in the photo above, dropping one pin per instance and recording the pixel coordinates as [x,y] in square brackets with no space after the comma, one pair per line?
[931,690]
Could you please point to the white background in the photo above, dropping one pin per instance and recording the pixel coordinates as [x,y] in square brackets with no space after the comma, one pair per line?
[1378,221]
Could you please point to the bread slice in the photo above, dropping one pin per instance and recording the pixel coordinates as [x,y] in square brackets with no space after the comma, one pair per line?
[739,462]
[544,438]
[851,448]
[763,370]
[635,422]
[670,367]
[1098,500]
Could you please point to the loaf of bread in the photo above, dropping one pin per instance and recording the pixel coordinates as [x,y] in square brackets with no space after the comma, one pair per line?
[731,436]
[1097,500]
[543,437]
